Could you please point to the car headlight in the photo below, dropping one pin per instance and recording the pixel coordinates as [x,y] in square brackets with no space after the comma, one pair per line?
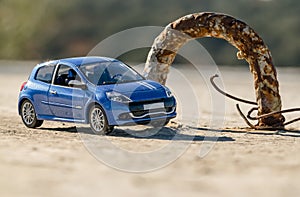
[168,92]
[115,96]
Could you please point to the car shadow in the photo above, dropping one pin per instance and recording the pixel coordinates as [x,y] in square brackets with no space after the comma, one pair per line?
[61,129]
[167,133]
[164,133]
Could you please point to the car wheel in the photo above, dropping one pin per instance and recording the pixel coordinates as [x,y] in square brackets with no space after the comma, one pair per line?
[29,116]
[98,121]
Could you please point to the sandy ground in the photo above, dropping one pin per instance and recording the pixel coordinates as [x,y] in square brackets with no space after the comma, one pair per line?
[55,161]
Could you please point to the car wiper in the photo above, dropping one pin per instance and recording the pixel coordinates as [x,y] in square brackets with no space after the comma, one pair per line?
[119,82]
[108,82]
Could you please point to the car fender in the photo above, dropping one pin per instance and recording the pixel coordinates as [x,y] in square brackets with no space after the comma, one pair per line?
[22,98]
[100,99]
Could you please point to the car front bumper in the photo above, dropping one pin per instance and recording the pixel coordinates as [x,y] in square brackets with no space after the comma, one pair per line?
[142,112]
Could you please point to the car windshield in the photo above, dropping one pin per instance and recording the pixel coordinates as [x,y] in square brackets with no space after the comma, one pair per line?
[110,72]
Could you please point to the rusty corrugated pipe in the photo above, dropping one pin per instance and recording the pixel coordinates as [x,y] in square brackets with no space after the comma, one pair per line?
[251,48]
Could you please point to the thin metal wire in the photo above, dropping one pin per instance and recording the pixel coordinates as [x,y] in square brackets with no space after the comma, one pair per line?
[229,95]
[270,114]
[244,117]
[254,109]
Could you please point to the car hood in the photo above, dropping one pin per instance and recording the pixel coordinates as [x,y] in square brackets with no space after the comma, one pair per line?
[136,91]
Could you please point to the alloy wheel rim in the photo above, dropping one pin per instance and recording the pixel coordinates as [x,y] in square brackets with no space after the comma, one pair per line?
[28,113]
[97,119]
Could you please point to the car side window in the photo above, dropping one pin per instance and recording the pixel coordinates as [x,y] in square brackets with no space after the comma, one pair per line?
[64,75]
[45,73]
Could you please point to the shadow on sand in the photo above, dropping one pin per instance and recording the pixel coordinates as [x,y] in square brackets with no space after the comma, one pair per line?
[167,133]
[164,133]
[286,132]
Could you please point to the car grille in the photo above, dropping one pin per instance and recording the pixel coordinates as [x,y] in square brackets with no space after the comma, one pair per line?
[137,109]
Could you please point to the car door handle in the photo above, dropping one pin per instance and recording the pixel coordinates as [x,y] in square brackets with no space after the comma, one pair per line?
[53,92]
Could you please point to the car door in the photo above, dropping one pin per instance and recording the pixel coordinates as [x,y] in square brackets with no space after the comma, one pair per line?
[41,83]
[64,101]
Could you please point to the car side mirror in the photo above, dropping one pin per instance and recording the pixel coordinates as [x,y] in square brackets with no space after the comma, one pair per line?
[77,84]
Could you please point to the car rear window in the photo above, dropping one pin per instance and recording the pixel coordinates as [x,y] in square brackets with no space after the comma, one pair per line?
[45,73]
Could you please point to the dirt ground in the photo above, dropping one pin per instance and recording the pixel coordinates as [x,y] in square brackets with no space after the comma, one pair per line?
[55,160]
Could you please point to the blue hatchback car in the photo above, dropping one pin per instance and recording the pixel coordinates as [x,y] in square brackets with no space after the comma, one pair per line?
[99,91]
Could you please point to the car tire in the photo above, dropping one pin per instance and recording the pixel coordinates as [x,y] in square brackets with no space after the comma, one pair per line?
[98,121]
[29,116]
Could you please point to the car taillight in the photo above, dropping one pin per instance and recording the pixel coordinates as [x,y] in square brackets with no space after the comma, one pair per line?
[23,85]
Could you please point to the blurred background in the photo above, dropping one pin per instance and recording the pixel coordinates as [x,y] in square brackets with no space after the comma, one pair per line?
[51,29]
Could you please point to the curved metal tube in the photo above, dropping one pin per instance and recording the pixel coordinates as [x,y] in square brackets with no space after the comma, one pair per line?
[251,48]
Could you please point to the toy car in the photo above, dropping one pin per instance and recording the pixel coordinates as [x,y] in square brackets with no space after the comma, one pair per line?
[99,91]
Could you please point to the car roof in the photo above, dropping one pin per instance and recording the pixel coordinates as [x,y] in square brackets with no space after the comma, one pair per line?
[77,61]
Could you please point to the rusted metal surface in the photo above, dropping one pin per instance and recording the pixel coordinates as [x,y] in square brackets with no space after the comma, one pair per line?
[251,48]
